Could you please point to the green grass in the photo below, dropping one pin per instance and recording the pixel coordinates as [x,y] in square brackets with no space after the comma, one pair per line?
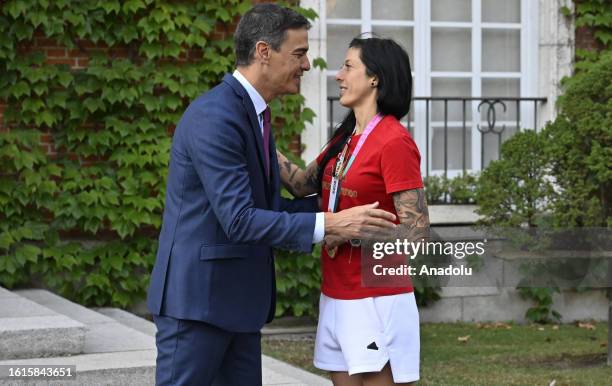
[493,354]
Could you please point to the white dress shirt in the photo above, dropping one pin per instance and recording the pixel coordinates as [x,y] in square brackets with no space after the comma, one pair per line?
[260,106]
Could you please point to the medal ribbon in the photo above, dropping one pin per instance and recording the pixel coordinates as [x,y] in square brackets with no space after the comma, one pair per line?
[340,168]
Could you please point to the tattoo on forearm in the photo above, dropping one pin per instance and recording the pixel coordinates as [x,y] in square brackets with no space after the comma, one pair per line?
[411,207]
[298,182]
[287,165]
[311,177]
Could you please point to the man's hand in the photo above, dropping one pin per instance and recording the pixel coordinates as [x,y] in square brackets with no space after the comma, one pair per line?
[359,222]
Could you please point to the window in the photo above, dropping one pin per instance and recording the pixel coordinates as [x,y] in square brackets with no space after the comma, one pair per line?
[459,48]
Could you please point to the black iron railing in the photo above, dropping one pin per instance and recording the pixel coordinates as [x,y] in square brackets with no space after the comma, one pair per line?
[487,122]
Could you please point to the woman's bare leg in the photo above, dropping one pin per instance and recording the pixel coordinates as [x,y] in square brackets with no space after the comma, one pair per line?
[342,378]
[382,378]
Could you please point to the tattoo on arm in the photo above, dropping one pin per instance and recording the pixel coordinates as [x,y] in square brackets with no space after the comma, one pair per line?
[311,177]
[286,164]
[298,182]
[411,207]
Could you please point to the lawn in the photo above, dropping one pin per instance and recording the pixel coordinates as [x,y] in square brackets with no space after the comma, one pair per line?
[494,354]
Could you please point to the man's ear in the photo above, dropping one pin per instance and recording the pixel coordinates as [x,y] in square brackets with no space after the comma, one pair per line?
[262,51]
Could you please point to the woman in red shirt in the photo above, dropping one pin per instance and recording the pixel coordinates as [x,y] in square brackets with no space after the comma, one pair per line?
[367,334]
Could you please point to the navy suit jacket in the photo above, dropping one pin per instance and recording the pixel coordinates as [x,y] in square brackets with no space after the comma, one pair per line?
[223,216]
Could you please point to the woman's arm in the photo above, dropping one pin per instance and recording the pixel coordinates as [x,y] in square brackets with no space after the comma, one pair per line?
[411,207]
[298,182]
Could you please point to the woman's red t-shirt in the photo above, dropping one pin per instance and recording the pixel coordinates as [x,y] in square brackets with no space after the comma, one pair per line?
[388,162]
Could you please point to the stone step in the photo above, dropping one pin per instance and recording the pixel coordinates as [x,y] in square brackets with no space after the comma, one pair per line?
[112,353]
[104,334]
[128,319]
[115,368]
[274,372]
[28,329]
[135,364]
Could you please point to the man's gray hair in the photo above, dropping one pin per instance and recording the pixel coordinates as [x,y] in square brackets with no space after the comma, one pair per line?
[268,23]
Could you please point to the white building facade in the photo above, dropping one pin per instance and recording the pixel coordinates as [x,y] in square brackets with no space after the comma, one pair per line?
[475,52]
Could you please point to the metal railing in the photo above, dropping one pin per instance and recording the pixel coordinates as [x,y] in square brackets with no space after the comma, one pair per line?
[487,111]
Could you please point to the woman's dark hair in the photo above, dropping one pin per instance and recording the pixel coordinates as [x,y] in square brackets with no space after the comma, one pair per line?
[388,61]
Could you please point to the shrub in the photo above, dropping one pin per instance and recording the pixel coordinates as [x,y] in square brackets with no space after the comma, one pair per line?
[515,190]
[560,177]
[579,146]
[458,190]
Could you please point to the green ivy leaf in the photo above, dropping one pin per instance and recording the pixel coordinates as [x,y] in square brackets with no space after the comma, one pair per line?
[566,11]
[319,63]
[116,261]
[151,50]
[19,89]
[5,240]
[203,24]
[110,6]
[64,78]
[40,88]
[15,8]
[132,6]
[27,253]
[45,117]
[94,104]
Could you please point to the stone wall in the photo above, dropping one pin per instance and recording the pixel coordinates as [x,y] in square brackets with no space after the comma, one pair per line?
[492,303]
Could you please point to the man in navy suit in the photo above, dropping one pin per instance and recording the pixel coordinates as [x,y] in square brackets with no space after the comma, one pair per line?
[213,286]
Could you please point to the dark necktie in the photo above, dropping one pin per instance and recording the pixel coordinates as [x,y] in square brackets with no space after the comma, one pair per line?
[266,139]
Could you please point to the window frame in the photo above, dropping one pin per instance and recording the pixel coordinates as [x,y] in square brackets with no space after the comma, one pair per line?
[423,75]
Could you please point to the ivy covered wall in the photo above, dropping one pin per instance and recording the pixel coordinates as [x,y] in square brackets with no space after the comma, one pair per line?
[90,93]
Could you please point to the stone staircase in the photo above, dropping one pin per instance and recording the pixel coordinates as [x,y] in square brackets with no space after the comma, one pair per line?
[28,329]
[108,346]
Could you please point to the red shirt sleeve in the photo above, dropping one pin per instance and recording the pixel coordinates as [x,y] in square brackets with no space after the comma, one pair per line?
[400,164]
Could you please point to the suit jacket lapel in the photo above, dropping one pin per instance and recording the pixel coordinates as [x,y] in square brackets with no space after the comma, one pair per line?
[248,105]
[256,129]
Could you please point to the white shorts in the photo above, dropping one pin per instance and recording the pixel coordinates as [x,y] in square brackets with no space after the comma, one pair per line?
[362,335]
